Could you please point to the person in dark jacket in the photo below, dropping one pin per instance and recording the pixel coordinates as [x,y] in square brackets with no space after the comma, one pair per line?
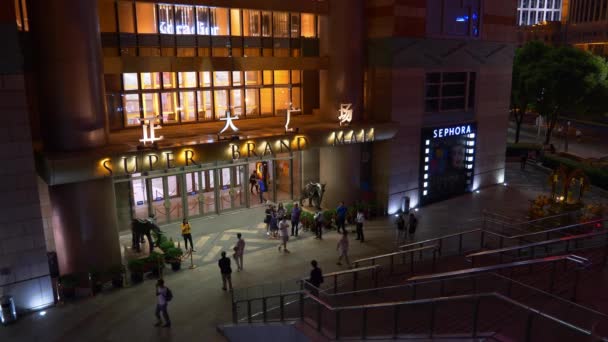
[316,277]
[341,211]
[224,265]
[295,219]
[412,224]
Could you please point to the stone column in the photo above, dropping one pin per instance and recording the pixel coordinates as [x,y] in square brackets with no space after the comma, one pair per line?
[342,36]
[340,171]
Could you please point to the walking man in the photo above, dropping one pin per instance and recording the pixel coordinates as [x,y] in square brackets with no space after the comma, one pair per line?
[295,219]
[316,278]
[253,180]
[342,248]
[359,220]
[224,264]
[284,232]
[239,250]
[341,216]
[186,234]
[319,224]
[261,189]
[400,227]
[163,296]
[413,224]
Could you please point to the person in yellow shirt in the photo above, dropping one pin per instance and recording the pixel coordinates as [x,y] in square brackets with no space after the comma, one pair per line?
[186,233]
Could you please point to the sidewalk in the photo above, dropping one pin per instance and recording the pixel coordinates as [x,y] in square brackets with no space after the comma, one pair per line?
[199,305]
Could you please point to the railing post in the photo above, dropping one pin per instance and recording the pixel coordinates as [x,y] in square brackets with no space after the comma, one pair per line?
[355,279]
[501,242]
[434,258]
[282,307]
[432,327]
[248,311]
[392,264]
[440,246]
[442,287]
[396,323]
[337,324]
[264,309]
[577,276]
[552,281]
[460,244]
[301,305]
[475,316]
[414,291]
[420,254]
[364,326]
[235,319]
[412,262]
[529,324]
[318,316]
[335,283]
[481,240]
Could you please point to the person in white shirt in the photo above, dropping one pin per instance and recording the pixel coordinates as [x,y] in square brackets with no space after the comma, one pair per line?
[161,304]
[283,230]
[342,248]
[359,220]
[239,250]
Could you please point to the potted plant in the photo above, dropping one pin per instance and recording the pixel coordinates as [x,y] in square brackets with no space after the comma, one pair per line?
[137,267]
[156,261]
[174,257]
[116,273]
[67,286]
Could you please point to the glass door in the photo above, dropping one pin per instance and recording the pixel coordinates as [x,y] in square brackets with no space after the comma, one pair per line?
[283,180]
[156,191]
[140,197]
[232,187]
[173,198]
[193,187]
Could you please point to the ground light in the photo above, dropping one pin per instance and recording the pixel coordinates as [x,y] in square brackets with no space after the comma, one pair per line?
[505,184]
[42,313]
[416,209]
[476,191]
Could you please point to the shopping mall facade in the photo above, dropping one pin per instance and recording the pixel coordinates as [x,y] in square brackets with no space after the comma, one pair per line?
[117,109]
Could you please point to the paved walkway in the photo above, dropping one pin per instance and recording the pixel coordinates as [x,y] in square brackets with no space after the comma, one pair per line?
[199,305]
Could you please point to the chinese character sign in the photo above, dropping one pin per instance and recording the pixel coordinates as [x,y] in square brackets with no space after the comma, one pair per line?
[346,113]
[149,127]
[229,122]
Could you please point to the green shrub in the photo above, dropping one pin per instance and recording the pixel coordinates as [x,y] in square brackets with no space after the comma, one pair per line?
[597,176]
[166,245]
[174,254]
[137,265]
[516,150]
[155,258]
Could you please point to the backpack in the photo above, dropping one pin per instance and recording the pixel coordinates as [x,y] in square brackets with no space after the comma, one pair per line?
[168,295]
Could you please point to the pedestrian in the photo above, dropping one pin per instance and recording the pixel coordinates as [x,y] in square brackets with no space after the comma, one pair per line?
[186,234]
[267,218]
[412,225]
[253,180]
[239,250]
[280,211]
[579,135]
[295,219]
[318,218]
[224,264]
[400,227]
[341,216]
[284,232]
[359,220]
[274,224]
[316,278]
[261,189]
[342,248]
[163,297]
[523,160]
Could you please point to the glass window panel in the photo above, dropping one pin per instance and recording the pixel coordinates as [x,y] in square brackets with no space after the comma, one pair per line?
[454,76]
[186,52]
[167,51]
[453,90]
[308,25]
[205,78]
[125,17]
[236,101]
[253,77]
[235,22]
[252,102]
[218,21]
[149,51]
[295,76]
[266,101]
[281,52]
[184,19]
[169,103]
[165,18]
[267,52]
[252,52]
[186,106]
[280,25]
[432,91]
[267,77]
[131,109]
[282,98]
[221,52]
[150,104]
[452,104]
[146,17]
[281,77]
[251,23]
[433,77]
[130,81]
[266,23]
[296,97]
[187,79]
[221,78]
[107,15]
[202,20]
[205,106]
[236,52]
[471,101]
[236,78]
[295,25]
[221,103]
[431,105]
[168,80]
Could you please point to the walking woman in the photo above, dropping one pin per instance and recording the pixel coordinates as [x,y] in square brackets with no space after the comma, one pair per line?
[342,248]
[359,220]
[267,218]
[283,227]
[186,234]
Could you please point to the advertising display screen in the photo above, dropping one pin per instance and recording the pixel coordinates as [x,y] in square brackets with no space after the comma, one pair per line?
[447,162]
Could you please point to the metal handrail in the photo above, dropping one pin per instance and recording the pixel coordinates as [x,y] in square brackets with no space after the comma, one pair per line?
[420,250]
[551,230]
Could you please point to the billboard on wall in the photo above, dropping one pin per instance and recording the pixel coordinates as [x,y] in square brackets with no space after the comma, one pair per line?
[447,161]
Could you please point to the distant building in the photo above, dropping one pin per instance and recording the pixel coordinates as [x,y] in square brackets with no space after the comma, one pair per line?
[531,12]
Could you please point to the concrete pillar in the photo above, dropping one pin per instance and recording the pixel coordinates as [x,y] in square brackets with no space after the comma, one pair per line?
[340,171]
[67,53]
[342,37]
[84,226]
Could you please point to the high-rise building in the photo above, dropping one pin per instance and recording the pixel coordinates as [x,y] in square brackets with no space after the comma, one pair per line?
[121,110]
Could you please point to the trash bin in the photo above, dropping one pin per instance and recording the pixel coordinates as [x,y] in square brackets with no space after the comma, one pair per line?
[8,313]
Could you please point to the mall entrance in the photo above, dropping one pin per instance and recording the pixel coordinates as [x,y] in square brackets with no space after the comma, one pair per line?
[207,189]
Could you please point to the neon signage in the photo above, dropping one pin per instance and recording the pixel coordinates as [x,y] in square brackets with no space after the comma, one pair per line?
[451,131]
[203,29]
[149,127]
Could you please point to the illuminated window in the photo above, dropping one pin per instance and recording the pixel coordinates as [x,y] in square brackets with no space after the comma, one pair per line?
[266,101]
[184,20]
[169,103]
[450,91]
[253,77]
[221,78]
[295,76]
[235,22]
[21,12]
[280,25]
[165,18]
[205,106]
[296,97]
[131,109]
[221,103]
[107,16]
[251,23]
[236,78]
[150,105]
[187,79]
[202,21]
[295,25]
[281,77]
[266,23]
[146,17]
[129,81]
[205,78]
[252,103]
[308,25]
[455,18]
[282,98]
[236,101]
[252,52]
[125,17]
[218,21]
[267,77]
[187,112]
